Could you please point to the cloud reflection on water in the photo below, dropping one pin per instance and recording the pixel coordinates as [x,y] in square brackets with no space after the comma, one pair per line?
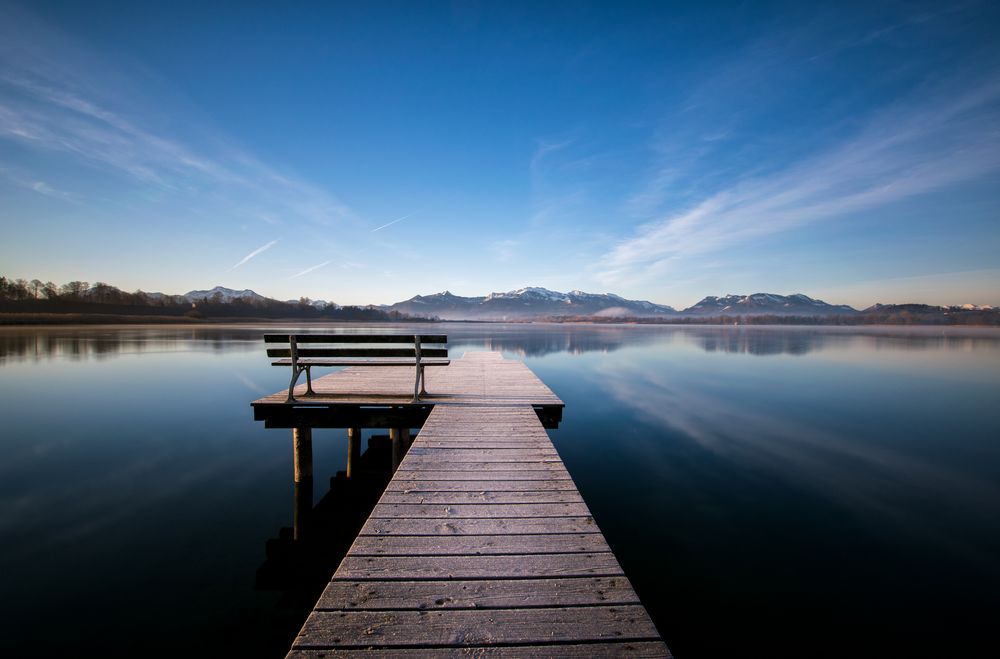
[868,473]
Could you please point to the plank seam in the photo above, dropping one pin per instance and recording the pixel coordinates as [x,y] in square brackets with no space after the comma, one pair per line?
[470,535]
[534,553]
[477,518]
[498,644]
[530,577]
[476,607]
[515,555]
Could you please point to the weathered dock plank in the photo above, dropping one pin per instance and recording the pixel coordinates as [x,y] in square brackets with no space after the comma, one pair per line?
[477,594]
[461,454]
[513,566]
[420,510]
[524,626]
[481,544]
[556,496]
[489,485]
[410,545]
[596,650]
[508,473]
[515,525]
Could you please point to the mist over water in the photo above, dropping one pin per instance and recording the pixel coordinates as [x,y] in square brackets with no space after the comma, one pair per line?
[769,491]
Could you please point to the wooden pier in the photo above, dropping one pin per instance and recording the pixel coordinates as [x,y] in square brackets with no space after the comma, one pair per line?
[481,543]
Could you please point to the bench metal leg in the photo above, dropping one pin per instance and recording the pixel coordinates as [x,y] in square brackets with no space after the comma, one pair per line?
[296,372]
[423,381]
[309,382]
[416,387]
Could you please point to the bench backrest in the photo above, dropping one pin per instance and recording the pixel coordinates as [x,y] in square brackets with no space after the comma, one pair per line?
[414,346]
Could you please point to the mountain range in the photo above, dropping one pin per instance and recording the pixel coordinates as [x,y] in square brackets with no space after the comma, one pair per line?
[538,303]
[526,303]
[229,295]
[766,304]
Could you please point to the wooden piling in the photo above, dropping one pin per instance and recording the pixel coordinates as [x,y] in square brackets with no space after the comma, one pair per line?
[302,451]
[398,447]
[353,450]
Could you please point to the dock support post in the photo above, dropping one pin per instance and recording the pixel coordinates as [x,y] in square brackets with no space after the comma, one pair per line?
[302,447]
[353,450]
[302,509]
[398,448]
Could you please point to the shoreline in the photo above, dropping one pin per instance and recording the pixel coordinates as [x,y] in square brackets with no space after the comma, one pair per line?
[28,321]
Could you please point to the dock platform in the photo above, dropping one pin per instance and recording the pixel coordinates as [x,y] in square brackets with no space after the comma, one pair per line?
[481,543]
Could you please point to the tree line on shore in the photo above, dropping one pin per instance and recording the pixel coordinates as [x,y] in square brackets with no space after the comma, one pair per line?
[19,296]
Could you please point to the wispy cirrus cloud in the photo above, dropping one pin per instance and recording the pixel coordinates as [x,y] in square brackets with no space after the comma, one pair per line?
[544,149]
[909,148]
[256,252]
[19,178]
[399,219]
[311,269]
[58,100]
[503,250]
[559,186]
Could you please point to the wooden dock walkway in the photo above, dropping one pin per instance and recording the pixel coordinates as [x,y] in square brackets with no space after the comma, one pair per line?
[481,543]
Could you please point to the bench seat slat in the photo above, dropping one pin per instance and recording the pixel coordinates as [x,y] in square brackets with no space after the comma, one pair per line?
[356,338]
[358,352]
[362,362]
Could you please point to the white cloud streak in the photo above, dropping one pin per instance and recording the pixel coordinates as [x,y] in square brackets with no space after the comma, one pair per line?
[906,150]
[400,219]
[256,252]
[20,179]
[311,269]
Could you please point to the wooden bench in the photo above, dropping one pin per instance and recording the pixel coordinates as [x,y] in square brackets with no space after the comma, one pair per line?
[417,350]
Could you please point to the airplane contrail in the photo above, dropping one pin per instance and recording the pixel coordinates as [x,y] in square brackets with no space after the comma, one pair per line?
[253,254]
[393,222]
[308,270]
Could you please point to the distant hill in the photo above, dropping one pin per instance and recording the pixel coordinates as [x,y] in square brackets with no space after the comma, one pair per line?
[528,303]
[766,304]
[928,314]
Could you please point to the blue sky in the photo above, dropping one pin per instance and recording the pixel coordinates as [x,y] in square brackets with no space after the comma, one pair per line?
[368,152]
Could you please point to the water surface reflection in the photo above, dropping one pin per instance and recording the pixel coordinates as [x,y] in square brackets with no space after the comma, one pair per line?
[524,341]
[763,487]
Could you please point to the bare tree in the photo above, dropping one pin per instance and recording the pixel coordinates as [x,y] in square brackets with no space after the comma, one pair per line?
[20,289]
[75,289]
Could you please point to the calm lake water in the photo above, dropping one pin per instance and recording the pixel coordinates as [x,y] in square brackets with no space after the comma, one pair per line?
[773,491]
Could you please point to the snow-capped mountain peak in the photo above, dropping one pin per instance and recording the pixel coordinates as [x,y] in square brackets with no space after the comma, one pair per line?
[535,292]
[529,302]
[765,304]
[223,294]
